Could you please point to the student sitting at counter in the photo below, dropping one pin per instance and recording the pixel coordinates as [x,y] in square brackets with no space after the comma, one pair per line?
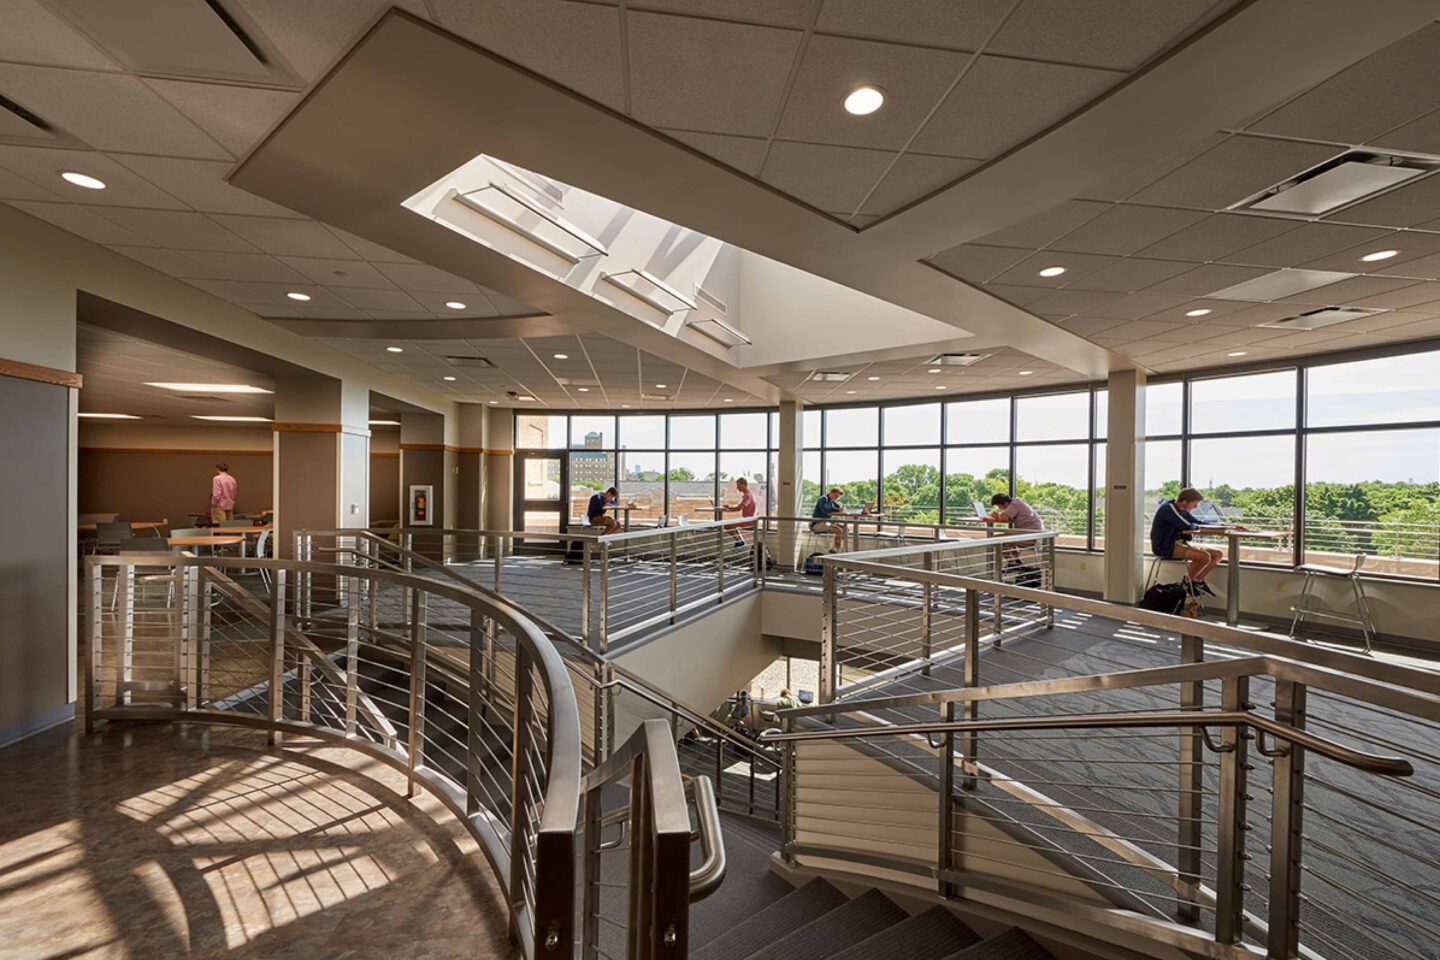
[1170,534]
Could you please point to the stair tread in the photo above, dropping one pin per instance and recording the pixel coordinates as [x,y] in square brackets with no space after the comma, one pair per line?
[754,931]
[837,930]
[929,934]
[1013,944]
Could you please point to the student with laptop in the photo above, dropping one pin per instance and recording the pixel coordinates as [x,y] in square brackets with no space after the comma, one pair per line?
[1171,532]
[826,507]
[1014,511]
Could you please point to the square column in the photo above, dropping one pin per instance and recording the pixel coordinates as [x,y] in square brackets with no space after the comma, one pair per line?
[789,467]
[1125,531]
[322,457]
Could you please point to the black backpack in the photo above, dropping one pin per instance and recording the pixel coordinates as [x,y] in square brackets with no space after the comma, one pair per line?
[812,565]
[1164,598]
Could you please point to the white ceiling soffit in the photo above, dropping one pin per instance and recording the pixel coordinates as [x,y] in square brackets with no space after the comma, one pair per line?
[347,156]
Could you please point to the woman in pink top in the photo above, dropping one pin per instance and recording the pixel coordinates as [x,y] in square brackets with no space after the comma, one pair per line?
[223,489]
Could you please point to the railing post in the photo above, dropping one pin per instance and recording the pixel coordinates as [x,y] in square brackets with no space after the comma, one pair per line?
[720,547]
[1188,861]
[604,597]
[91,652]
[125,622]
[998,564]
[415,753]
[945,796]
[1286,823]
[585,594]
[971,678]
[787,794]
[1231,826]
[519,777]
[829,656]
[276,693]
[1049,579]
[927,614]
[352,653]
[190,651]
[590,921]
[479,696]
[674,575]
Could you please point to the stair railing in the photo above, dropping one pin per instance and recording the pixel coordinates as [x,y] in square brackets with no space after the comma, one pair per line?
[1226,792]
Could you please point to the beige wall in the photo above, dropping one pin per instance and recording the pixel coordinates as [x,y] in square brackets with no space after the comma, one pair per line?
[384,486]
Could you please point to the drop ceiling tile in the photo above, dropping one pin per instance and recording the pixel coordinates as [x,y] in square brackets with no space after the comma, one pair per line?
[1232,171]
[1125,228]
[15,187]
[1131,274]
[321,302]
[476,305]
[826,177]
[297,238]
[108,111]
[1001,103]
[1386,89]
[81,222]
[33,34]
[1152,330]
[423,277]
[1205,280]
[314,34]
[123,187]
[1422,268]
[1219,309]
[246,266]
[201,184]
[229,290]
[1071,301]
[1414,295]
[237,117]
[1253,316]
[1123,182]
[1091,326]
[1408,205]
[1217,236]
[1042,230]
[779,13]
[177,230]
[369,250]
[1355,291]
[914,79]
[957,24]
[735,88]
[1017,295]
[170,263]
[976,263]
[1137,305]
[1417,136]
[366,299]
[915,176]
[742,153]
[1118,34]
[1309,242]
[1077,266]
[1411,244]
[575,44]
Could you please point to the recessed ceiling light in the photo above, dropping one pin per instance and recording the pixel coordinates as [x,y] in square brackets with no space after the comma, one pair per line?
[729,400]
[849,391]
[872,379]
[494,403]
[394,349]
[227,419]
[448,379]
[864,100]
[941,387]
[454,304]
[209,387]
[583,389]
[933,370]
[659,386]
[1052,271]
[1026,373]
[296,295]
[109,416]
[625,406]
[384,423]
[1236,353]
[562,356]
[82,180]
[1202,311]
[1379,255]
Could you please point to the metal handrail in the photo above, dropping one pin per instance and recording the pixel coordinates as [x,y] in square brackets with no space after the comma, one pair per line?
[707,877]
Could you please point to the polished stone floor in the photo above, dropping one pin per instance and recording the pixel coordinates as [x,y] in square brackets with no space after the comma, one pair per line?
[159,840]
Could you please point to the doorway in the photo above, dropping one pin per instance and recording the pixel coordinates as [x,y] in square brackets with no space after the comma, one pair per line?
[541,490]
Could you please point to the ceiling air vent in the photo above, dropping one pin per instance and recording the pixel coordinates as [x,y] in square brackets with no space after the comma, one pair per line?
[659,397]
[831,376]
[20,123]
[1321,317]
[468,362]
[204,396]
[956,359]
[1338,182]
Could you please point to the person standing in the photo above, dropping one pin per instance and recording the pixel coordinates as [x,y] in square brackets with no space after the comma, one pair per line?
[223,490]
[746,507]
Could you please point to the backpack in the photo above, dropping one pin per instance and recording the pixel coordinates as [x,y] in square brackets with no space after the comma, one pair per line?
[1165,598]
[812,564]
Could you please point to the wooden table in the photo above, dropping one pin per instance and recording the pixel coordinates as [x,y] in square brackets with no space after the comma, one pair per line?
[1232,562]
[204,541]
[134,525]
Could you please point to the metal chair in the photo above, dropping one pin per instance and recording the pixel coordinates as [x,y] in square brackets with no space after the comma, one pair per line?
[145,545]
[1304,608]
[97,517]
[193,532]
[109,536]
[1157,564]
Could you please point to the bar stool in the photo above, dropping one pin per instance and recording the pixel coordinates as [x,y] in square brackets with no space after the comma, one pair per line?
[1305,610]
[1157,564]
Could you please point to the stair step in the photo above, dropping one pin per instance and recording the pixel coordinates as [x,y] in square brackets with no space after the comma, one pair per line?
[836,930]
[1013,944]
[934,933]
[753,932]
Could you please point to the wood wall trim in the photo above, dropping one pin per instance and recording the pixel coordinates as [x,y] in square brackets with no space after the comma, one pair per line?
[33,371]
[476,450]
[306,427]
[498,453]
[208,453]
[385,453]
[424,446]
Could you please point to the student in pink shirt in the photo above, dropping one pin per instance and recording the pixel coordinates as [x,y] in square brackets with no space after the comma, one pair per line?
[746,506]
[1019,514]
[223,489]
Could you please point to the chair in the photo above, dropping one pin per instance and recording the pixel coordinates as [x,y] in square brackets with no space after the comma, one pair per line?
[194,532]
[145,545]
[1157,564]
[1305,608]
[97,517]
[234,524]
[109,536]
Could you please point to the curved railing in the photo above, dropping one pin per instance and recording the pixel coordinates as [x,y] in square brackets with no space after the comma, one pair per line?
[461,691]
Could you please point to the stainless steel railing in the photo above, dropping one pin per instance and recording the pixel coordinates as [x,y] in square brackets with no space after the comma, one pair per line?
[1192,785]
[460,691]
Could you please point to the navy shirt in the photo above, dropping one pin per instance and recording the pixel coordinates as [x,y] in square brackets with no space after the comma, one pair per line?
[824,507]
[597,507]
[1171,524]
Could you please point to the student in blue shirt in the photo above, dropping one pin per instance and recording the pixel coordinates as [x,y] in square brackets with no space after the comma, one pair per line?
[825,508]
[1171,531]
[595,512]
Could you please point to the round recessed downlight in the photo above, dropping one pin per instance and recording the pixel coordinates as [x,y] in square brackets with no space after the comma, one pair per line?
[850,392]
[1202,311]
[394,349]
[729,400]
[583,389]
[933,370]
[1236,353]
[494,403]
[297,295]
[82,180]
[624,406]
[454,304]
[448,379]
[941,387]
[872,379]
[1026,373]
[1379,255]
[659,386]
[562,356]
[1052,271]
[863,101]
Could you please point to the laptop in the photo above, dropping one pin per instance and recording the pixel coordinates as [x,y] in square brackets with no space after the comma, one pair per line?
[980,510]
[1208,513]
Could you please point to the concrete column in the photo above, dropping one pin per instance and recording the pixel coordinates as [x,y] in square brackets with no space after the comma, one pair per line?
[423,463]
[789,466]
[499,466]
[1125,487]
[469,496]
[322,457]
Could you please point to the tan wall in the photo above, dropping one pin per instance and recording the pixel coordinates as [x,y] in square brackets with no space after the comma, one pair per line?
[143,484]
[384,486]
[310,503]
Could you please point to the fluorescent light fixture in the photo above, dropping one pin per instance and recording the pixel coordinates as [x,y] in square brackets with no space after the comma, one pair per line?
[82,180]
[1026,373]
[1279,284]
[624,406]
[872,379]
[394,349]
[494,403]
[729,400]
[720,331]
[933,370]
[229,419]
[1236,353]
[208,387]
[849,392]
[525,398]
[863,101]
[1338,182]
[528,219]
[384,423]
[448,379]
[108,416]
[655,396]
[1379,255]
[941,387]
[583,389]
[1203,311]
[562,356]
[659,386]
[454,304]
[957,359]
[831,376]
[1052,271]
[297,295]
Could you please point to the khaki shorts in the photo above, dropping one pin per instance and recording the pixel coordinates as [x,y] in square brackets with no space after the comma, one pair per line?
[217,515]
